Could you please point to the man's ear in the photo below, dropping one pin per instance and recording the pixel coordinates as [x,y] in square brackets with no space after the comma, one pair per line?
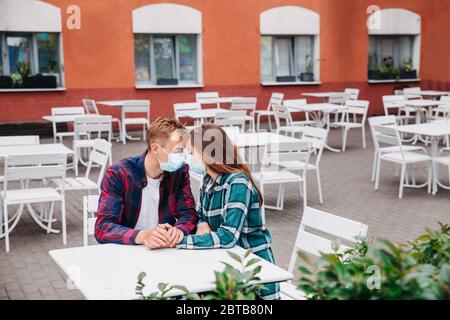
[153,148]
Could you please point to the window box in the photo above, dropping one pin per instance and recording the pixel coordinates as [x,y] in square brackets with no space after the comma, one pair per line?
[5,82]
[40,82]
[408,74]
[307,77]
[285,79]
[167,82]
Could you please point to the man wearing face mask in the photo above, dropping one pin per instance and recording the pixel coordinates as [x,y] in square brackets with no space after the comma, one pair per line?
[147,199]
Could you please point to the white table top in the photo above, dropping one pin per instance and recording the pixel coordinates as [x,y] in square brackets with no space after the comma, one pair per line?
[419,103]
[115,103]
[66,118]
[320,94]
[426,129]
[110,271]
[316,107]
[202,113]
[259,139]
[218,100]
[433,93]
[48,148]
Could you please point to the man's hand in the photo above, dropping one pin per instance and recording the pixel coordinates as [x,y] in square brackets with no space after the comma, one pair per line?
[154,239]
[175,236]
[203,228]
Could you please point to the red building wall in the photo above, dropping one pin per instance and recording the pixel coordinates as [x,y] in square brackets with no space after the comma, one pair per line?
[99,58]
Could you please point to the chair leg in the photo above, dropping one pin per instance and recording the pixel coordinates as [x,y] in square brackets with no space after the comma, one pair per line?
[377,175]
[364,137]
[402,181]
[344,138]
[270,122]
[319,185]
[75,161]
[63,219]
[124,133]
[374,164]
[305,202]
[85,220]
[6,224]
[258,122]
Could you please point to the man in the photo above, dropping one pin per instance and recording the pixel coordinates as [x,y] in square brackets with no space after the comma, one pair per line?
[147,199]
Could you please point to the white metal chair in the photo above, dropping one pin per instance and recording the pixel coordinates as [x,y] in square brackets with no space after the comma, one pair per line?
[275,100]
[179,108]
[352,94]
[385,121]
[412,93]
[231,119]
[249,106]
[91,125]
[338,98]
[138,106]
[358,109]
[308,240]
[100,154]
[272,174]
[441,112]
[24,169]
[284,122]
[443,160]
[390,136]
[64,111]
[90,208]
[206,97]
[397,102]
[91,108]
[317,137]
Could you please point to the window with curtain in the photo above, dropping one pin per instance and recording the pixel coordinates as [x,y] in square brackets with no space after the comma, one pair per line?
[399,49]
[165,57]
[286,56]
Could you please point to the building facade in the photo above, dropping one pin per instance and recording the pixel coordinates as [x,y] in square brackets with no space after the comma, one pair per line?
[166,51]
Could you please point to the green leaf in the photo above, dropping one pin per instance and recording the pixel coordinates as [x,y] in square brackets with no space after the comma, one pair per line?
[162,286]
[445,273]
[251,262]
[247,253]
[235,256]
[141,276]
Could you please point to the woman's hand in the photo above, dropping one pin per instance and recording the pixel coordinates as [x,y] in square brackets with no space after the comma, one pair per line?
[203,228]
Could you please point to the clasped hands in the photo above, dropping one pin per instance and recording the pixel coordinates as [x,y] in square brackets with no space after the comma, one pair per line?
[163,236]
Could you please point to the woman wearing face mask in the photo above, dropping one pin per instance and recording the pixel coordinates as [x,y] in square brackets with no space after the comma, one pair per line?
[229,208]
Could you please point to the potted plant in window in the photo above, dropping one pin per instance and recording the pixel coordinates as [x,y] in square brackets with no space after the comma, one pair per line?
[374,70]
[308,75]
[387,70]
[16,80]
[407,71]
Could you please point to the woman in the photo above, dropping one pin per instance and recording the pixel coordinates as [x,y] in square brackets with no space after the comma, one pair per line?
[229,208]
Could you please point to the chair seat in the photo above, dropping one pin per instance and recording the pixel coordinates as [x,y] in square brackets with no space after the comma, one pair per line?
[34,195]
[295,165]
[397,149]
[291,129]
[79,183]
[442,160]
[344,124]
[135,121]
[83,143]
[288,291]
[408,157]
[270,177]
[264,112]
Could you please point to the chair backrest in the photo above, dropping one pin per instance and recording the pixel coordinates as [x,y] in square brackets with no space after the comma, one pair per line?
[19,141]
[356,107]
[90,208]
[393,102]
[398,92]
[204,97]
[317,137]
[34,167]
[231,119]
[177,107]
[91,125]
[387,135]
[412,93]
[380,121]
[246,104]
[136,106]
[352,93]
[338,98]
[445,108]
[276,99]
[282,113]
[100,154]
[90,106]
[276,152]
[294,102]
[334,227]
[67,111]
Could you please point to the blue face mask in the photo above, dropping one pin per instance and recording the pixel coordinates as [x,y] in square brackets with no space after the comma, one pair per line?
[194,166]
[174,162]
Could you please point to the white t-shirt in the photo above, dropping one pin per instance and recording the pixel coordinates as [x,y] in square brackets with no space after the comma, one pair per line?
[149,214]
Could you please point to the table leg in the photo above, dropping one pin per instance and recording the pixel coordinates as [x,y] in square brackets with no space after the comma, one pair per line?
[434,154]
[327,123]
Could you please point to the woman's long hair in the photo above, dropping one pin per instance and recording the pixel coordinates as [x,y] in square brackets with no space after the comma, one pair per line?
[219,153]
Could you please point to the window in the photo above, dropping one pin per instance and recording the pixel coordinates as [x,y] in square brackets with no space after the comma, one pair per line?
[286,57]
[394,47]
[167,45]
[289,45]
[37,52]
[165,57]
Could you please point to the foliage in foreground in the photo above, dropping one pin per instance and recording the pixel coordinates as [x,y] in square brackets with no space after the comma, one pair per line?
[230,284]
[417,270]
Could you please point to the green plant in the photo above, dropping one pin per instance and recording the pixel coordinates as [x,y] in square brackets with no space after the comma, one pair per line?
[230,284]
[16,79]
[24,69]
[52,67]
[309,64]
[407,66]
[417,270]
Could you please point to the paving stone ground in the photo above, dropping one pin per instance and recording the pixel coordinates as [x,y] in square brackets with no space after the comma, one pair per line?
[27,271]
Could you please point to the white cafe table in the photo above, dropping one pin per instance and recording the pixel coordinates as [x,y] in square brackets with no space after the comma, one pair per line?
[202,114]
[436,131]
[259,139]
[419,104]
[321,95]
[218,100]
[110,271]
[115,103]
[433,93]
[66,118]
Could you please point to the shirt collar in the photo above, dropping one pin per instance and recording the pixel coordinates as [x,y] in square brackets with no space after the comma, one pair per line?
[209,184]
[141,169]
